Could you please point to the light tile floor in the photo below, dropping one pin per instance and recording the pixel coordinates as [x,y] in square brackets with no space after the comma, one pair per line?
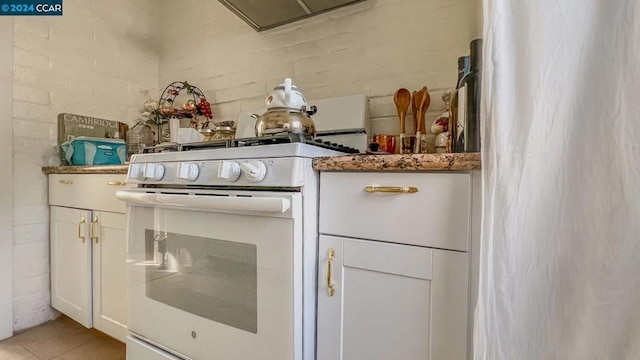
[61,339]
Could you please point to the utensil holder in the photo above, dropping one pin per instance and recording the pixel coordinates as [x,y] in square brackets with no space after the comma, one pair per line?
[407,143]
[422,148]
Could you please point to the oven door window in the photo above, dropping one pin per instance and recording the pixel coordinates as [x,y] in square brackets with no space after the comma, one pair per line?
[208,277]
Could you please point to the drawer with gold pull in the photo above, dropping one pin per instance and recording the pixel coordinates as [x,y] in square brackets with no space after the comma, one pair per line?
[425,209]
[87,191]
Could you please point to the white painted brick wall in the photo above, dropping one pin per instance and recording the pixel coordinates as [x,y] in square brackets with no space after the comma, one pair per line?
[99,59]
[371,48]
[6,179]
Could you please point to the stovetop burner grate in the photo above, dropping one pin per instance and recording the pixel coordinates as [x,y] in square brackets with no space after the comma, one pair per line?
[282,138]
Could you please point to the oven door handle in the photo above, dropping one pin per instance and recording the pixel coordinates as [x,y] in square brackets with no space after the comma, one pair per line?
[205,202]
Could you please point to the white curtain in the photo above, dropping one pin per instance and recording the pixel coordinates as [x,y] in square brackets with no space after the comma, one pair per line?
[560,251]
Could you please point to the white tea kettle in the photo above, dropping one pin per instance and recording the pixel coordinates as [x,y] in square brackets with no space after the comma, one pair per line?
[286,96]
[287,111]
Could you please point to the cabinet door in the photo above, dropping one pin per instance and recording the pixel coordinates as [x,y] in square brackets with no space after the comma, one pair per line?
[71,263]
[391,301]
[110,274]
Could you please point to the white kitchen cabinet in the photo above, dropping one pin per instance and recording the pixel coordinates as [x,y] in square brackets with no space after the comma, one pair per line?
[88,251]
[393,276]
[71,263]
[110,275]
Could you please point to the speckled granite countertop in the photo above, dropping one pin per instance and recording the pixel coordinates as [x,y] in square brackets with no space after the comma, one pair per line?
[97,169]
[408,162]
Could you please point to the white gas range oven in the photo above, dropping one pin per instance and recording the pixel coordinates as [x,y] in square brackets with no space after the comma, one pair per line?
[222,249]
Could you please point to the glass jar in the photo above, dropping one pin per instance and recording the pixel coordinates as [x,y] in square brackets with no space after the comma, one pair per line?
[139,137]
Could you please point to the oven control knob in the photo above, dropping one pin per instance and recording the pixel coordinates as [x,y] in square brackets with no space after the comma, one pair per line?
[188,171]
[228,170]
[254,171]
[154,172]
[136,171]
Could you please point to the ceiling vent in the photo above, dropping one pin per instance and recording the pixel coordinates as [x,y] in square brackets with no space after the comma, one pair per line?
[262,15]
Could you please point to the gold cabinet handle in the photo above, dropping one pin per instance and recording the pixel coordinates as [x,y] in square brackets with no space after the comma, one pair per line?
[391,189]
[116,183]
[330,286]
[65,181]
[80,229]
[92,233]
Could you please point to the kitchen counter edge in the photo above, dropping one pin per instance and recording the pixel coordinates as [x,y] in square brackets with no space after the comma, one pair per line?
[396,162]
[96,169]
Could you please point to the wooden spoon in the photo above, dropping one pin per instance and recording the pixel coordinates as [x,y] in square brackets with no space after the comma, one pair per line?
[423,104]
[416,99]
[414,110]
[402,98]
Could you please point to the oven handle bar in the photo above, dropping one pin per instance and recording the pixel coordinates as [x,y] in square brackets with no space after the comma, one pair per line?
[203,202]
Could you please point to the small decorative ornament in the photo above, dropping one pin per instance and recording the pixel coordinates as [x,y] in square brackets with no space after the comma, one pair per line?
[192,109]
[441,123]
[189,106]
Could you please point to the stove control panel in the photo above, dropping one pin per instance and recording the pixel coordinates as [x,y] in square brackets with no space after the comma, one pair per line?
[264,172]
